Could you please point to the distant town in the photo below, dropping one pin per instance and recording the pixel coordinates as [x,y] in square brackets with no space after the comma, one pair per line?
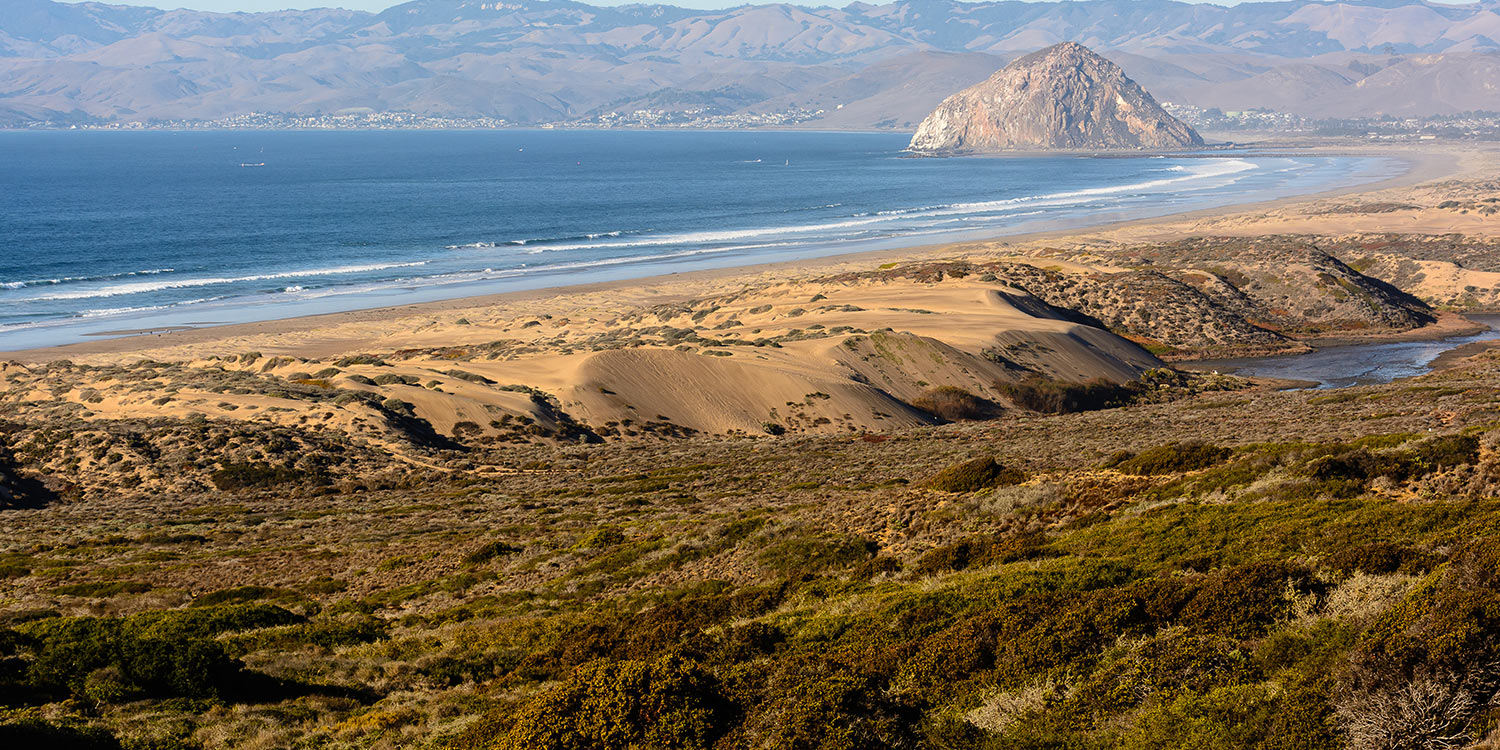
[638,119]
[1466,125]
[1463,126]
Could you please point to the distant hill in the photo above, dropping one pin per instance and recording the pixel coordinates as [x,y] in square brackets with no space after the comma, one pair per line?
[531,61]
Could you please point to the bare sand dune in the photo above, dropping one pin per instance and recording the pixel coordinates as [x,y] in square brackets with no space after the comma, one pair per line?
[798,356]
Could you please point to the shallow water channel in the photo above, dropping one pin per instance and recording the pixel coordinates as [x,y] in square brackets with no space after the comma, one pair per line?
[1355,364]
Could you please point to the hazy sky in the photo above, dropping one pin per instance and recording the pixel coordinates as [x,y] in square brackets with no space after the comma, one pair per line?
[375,5]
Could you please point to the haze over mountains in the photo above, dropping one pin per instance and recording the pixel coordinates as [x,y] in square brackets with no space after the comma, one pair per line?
[537,61]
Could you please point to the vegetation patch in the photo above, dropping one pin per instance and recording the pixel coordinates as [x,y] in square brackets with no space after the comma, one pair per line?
[975,475]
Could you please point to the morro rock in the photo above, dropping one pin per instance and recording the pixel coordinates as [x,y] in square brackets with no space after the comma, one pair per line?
[1065,97]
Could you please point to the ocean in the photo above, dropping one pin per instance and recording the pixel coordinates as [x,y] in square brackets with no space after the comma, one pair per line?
[102,232]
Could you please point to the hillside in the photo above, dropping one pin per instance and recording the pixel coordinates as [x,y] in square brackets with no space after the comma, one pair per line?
[1063,97]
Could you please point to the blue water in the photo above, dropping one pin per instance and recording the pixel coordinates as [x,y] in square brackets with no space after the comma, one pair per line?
[102,232]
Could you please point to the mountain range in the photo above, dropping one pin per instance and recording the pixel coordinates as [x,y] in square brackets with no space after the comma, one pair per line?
[537,61]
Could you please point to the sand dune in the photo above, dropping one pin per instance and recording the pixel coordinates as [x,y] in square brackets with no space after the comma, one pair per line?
[794,356]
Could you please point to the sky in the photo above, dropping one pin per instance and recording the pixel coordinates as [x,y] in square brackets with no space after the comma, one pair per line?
[378,5]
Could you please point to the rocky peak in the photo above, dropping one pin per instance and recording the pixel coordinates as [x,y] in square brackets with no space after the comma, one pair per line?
[1064,97]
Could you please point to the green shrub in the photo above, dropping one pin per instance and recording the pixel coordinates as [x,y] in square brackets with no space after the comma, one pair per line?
[489,551]
[154,654]
[669,702]
[244,594]
[393,379]
[236,476]
[102,589]
[980,551]
[36,733]
[601,538]
[1379,558]
[469,376]
[1235,717]
[801,553]
[1424,458]
[831,706]
[95,658]
[1041,394]
[974,475]
[1172,458]
[1450,623]
[1359,465]
[397,405]
[1171,661]
[360,359]
[1446,452]
[1440,644]
[328,633]
[1245,600]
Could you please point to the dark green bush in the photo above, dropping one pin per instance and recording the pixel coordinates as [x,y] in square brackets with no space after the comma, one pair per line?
[1172,458]
[155,654]
[211,621]
[1172,660]
[1041,394]
[489,551]
[601,538]
[100,659]
[669,702]
[1378,558]
[236,476]
[1426,457]
[469,376]
[1360,465]
[1446,452]
[802,552]
[954,404]
[831,706]
[327,633]
[1245,600]
[981,551]
[36,733]
[1233,717]
[245,594]
[1443,642]
[102,589]
[974,475]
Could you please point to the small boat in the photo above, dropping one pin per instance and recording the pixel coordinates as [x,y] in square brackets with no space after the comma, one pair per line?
[257,164]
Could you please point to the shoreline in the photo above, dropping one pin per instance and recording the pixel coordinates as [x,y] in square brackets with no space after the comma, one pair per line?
[1421,166]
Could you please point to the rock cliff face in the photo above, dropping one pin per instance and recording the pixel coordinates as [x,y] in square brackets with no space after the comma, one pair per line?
[1063,97]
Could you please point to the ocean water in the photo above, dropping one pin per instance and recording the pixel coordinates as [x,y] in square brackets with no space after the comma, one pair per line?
[102,232]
